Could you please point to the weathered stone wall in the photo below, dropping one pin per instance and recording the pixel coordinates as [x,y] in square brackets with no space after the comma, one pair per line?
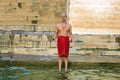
[95,16]
[31,11]
[86,16]
[27,27]
[35,41]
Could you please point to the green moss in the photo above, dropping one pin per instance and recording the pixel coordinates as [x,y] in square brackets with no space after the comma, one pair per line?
[84,65]
[117,39]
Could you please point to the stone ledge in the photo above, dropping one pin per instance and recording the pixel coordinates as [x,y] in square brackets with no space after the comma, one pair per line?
[54,58]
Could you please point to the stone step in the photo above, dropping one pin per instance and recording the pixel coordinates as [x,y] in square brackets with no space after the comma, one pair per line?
[5,6]
[14,21]
[6,58]
[97,38]
[17,27]
[39,39]
[4,2]
[12,17]
[48,22]
[25,13]
[53,51]
[72,58]
[38,28]
[97,45]
[23,21]
[21,38]
[39,43]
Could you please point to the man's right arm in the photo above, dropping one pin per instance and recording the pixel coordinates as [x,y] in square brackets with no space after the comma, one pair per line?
[56,32]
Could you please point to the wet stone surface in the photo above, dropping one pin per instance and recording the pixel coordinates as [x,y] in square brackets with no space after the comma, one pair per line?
[21,73]
[94,74]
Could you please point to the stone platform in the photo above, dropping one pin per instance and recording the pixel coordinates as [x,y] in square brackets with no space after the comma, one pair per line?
[54,58]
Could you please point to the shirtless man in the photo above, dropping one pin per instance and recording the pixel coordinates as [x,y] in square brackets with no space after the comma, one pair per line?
[63,35]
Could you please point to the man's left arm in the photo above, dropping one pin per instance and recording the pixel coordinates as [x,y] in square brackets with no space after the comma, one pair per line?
[71,35]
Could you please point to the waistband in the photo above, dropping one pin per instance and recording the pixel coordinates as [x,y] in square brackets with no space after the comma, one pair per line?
[64,36]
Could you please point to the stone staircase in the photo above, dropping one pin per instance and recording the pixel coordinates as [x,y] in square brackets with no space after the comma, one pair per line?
[37,39]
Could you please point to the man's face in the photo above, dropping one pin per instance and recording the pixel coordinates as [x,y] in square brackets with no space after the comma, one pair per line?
[63,17]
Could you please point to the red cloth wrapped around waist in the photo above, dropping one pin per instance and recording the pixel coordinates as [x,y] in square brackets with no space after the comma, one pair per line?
[63,46]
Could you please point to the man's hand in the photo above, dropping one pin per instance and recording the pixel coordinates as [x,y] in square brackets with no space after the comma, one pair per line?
[73,41]
[53,39]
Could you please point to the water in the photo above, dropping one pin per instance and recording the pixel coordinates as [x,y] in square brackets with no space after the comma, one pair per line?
[21,73]
[13,73]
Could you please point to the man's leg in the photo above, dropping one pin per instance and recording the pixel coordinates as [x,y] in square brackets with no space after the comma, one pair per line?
[60,63]
[66,63]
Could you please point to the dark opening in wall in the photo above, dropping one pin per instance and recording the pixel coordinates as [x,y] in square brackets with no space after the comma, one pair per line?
[20,5]
[34,21]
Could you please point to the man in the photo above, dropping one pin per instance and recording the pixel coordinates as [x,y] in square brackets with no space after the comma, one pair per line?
[63,35]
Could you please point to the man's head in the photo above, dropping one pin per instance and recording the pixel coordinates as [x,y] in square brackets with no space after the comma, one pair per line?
[63,16]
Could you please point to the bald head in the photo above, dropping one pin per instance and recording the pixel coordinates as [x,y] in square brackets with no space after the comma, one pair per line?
[63,17]
[63,14]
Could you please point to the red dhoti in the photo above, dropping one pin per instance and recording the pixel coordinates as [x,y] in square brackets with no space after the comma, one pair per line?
[63,46]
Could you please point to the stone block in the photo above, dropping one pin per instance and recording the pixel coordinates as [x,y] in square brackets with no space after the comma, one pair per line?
[112,45]
[52,28]
[18,44]
[52,51]
[17,37]
[4,51]
[13,22]
[43,44]
[34,38]
[53,44]
[20,50]
[4,37]
[96,38]
[44,38]
[24,37]
[39,29]
[4,40]
[42,28]
[28,44]
[111,53]
[4,2]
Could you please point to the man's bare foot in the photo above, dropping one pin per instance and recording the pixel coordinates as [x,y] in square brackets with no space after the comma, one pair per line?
[59,75]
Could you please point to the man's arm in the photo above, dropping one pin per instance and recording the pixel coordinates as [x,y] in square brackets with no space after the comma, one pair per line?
[56,33]
[71,35]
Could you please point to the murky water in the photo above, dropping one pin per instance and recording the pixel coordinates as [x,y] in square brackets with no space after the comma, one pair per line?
[13,73]
[21,73]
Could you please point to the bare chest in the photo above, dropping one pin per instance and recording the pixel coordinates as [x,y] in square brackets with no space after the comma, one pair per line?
[64,27]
